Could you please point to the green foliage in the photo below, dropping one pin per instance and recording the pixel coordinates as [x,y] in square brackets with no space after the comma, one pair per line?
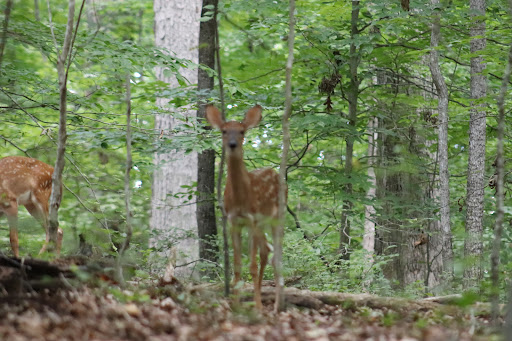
[116,39]
[102,57]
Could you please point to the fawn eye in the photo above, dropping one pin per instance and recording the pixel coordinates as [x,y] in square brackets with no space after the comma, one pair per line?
[242,132]
[224,132]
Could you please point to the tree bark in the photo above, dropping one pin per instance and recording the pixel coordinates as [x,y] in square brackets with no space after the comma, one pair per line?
[36,10]
[352,96]
[127,184]
[476,158]
[500,191]
[63,63]
[206,222]
[174,222]
[3,41]
[279,230]
[220,199]
[403,194]
[369,210]
[442,146]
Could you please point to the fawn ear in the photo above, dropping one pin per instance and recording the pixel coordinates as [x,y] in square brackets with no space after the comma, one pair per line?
[214,116]
[253,117]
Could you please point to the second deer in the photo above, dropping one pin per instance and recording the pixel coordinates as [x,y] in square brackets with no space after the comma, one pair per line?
[250,198]
[28,182]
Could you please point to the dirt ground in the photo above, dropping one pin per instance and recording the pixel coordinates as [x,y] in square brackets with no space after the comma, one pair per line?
[95,314]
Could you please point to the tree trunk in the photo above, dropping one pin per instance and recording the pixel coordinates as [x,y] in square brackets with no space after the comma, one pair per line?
[369,210]
[278,231]
[62,70]
[369,222]
[127,183]
[352,96]
[3,41]
[403,194]
[500,192]
[177,29]
[476,158]
[442,146]
[206,223]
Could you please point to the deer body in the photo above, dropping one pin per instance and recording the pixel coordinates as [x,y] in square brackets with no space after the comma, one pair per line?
[27,182]
[250,198]
[251,195]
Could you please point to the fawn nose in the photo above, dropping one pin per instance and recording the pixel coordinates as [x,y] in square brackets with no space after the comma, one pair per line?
[232,144]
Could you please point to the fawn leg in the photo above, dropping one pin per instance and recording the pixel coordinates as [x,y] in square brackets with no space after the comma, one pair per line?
[277,233]
[236,238]
[254,245]
[264,251]
[38,212]
[11,212]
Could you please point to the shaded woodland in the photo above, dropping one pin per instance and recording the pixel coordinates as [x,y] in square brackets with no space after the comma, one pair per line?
[387,121]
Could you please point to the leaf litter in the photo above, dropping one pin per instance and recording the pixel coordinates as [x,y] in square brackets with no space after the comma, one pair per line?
[94,314]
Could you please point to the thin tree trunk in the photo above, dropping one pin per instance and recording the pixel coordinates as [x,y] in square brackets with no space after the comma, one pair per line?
[127,187]
[279,230]
[7,16]
[442,149]
[91,15]
[63,63]
[220,200]
[507,331]
[352,95]
[369,210]
[206,222]
[473,245]
[36,10]
[500,196]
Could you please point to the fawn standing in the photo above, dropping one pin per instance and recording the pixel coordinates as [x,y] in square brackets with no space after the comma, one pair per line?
[28,182]
[250,198]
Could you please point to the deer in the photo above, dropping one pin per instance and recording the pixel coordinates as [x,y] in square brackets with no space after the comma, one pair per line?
[250,198]
[26,182]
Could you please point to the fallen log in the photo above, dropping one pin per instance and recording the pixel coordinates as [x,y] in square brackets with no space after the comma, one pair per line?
[18,275]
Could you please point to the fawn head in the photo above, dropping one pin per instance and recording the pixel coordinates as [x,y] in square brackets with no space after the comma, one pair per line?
[233,132]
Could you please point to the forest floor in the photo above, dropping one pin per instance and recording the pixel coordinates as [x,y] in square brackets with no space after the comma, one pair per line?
[96,314]
[32,307]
